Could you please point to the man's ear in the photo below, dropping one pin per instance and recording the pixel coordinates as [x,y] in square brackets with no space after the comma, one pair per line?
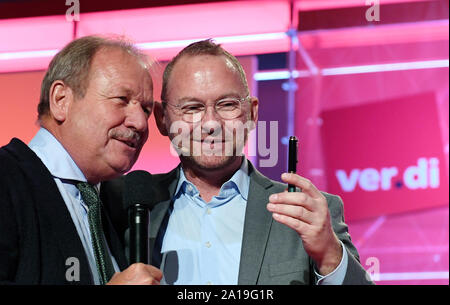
[160,118]
[60,98]
[254,104]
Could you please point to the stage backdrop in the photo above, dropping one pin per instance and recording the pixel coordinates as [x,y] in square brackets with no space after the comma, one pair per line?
[386,157]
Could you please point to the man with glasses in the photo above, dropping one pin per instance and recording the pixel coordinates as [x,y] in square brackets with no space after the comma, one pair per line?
[220,221]
[201,143]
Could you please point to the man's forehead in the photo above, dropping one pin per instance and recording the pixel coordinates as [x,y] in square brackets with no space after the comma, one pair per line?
[203,68]
[199,74]
[205,60]
[117,58]
[113,62]
[106,53]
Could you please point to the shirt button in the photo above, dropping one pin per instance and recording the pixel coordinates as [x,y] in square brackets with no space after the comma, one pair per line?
[208,244]
[208,283]
[208,211]
[189,188]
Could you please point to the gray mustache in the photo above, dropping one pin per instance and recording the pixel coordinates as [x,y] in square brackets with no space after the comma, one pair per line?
[125,135]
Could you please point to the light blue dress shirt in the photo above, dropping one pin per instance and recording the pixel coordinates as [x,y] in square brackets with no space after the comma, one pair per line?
[202,242]
[65,172]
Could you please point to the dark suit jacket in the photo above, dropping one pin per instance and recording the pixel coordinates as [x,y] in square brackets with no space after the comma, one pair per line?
[271,252]
[37,234]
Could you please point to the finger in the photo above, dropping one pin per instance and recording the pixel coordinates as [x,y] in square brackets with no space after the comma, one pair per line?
[158,276]
[297,225]
[296,212]
[147,279]
[297,198]
[154,272]
[306,185]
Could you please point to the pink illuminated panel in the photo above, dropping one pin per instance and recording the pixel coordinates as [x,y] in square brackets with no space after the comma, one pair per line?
[409,248]
[255,44]
[384,34]
[30,43]
[307,5]
[190,21]
[34,34]
[386,157]
[243,27]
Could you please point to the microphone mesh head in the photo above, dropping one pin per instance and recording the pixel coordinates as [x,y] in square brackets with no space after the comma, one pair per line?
[138,189]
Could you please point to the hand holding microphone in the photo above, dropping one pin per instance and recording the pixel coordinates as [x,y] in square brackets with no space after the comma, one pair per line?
[138,200]
[137,274]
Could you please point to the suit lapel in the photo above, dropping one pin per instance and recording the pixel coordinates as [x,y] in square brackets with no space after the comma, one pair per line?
[54,214]
[256,228]
[54,218]
[166,185]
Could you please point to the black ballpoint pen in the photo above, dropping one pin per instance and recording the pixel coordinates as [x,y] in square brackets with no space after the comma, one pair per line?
[292,162]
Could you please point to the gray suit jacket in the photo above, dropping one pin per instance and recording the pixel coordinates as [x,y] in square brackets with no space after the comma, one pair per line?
[272,253]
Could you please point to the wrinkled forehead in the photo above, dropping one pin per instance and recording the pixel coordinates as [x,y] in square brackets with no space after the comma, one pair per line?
[121,67]
[116,60]
[109,55]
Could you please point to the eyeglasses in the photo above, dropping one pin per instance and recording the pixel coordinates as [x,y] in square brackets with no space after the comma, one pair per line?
[227,108]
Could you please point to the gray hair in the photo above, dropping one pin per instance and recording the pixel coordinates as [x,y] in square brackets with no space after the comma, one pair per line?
[72,65]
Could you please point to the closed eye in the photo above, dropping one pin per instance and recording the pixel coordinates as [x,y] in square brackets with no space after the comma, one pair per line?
[120,100]
[147,110]
[192,108]
[228,105]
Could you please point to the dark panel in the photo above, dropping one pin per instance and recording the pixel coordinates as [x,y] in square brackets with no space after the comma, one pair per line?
[376,54]
[389,13]
[33,8]
[272,61]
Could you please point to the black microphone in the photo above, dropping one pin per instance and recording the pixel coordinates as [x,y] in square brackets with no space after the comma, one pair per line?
[138,200]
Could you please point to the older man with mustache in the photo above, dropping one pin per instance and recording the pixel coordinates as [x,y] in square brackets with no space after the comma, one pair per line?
[96,98]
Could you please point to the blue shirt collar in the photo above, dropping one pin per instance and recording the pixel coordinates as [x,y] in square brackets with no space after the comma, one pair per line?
[55,157]
[240,181]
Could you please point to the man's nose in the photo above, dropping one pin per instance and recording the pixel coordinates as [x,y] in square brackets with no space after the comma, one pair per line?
[210,121]
[136,117]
